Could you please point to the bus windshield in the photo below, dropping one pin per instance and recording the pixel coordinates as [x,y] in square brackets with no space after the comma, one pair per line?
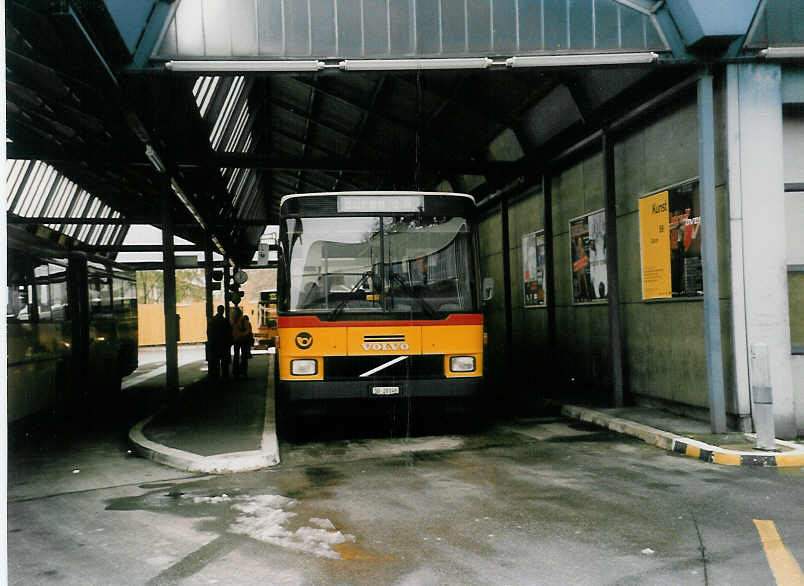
[379,264]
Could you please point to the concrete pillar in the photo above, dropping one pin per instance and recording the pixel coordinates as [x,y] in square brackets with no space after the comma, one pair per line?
[760,311]
[612,273]
[706,171]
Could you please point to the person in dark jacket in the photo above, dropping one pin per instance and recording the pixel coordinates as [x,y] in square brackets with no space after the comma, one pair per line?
[219,342]
[243,340]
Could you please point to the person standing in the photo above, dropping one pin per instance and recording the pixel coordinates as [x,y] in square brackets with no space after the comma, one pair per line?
[243,339]
[219,340]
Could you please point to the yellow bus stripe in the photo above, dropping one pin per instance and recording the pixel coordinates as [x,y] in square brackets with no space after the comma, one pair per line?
[784,566]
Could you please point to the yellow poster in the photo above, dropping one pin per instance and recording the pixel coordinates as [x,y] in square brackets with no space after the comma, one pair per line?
[654,224]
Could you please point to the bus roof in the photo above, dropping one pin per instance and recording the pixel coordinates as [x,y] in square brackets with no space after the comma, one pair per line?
[400,192]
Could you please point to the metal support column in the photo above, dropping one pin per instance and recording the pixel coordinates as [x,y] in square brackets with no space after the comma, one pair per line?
[506,258]
[169,281]
[208,277]
[612,274]
[549,270]
[226,283]
[706,170]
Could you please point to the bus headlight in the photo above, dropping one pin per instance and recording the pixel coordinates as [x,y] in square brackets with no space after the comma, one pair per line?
[304,367]
[462,363]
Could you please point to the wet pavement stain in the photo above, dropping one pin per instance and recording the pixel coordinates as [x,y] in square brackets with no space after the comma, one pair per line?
[322,476]
[603,436]
[582,426]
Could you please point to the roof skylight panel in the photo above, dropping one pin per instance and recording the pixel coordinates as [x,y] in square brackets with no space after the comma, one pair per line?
[38,198]
[16,172]
[36,181]
[240,125]
[204,91]
[86,229]
[226,112]
[63,199]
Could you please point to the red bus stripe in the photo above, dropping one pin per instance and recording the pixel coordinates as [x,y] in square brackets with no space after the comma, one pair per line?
[312,321]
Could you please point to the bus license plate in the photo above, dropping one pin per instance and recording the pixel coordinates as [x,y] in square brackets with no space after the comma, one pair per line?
[384,390]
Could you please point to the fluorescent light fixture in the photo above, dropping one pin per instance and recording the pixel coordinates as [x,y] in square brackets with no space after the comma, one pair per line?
[783,53]
[187,203]
[583,59]
[154,158]
[244,66]
[414,64]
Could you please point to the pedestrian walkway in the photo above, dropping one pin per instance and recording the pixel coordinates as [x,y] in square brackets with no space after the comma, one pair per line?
[215,426]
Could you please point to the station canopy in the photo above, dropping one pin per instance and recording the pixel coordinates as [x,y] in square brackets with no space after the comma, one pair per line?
[224,106]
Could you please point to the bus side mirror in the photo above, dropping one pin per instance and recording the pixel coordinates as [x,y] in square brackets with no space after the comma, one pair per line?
[488,289]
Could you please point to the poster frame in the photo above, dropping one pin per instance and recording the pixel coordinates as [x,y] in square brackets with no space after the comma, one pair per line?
[685,299]
[569,237]
[535,235]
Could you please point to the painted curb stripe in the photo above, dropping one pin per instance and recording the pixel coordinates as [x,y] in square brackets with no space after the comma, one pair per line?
[677,444]
[752,460]
[726,458]
[790,460]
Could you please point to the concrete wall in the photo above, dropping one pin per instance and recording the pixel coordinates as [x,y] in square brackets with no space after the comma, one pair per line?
[663,341]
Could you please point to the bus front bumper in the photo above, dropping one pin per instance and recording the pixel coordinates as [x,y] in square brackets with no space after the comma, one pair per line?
[295,391]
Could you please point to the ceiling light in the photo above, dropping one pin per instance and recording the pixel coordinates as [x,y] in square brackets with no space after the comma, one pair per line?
[584,59]
[413,64]
[244,66]
[153,156]
[783,53]
[187,203]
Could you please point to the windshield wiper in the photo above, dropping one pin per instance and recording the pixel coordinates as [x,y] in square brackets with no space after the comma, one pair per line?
[415,294]
[338,308]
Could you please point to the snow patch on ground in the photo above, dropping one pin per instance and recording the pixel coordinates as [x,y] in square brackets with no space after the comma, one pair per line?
[322,523]
[224,498]
[264,518]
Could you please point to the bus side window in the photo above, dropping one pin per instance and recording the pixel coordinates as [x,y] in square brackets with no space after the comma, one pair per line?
[42,292]
[59,308]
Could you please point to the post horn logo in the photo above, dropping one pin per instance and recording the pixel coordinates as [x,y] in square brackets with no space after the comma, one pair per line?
[304,340]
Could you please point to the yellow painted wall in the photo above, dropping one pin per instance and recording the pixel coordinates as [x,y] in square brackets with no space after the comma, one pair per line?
[193,325]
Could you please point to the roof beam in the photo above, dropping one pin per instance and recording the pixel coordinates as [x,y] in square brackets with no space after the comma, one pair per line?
[333,164]
[130,221]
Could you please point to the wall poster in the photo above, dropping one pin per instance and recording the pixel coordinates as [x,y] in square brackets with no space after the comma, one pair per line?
[670,242]
[588,257]
[533,269]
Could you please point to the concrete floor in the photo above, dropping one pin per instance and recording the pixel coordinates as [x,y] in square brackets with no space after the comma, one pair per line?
[534,501]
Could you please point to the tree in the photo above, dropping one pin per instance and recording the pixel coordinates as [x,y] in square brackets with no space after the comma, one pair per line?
[190,286]
[149,286]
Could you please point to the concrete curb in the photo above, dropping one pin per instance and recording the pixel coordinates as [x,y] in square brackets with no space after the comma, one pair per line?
[190,462]
[687,446]
[248,461]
